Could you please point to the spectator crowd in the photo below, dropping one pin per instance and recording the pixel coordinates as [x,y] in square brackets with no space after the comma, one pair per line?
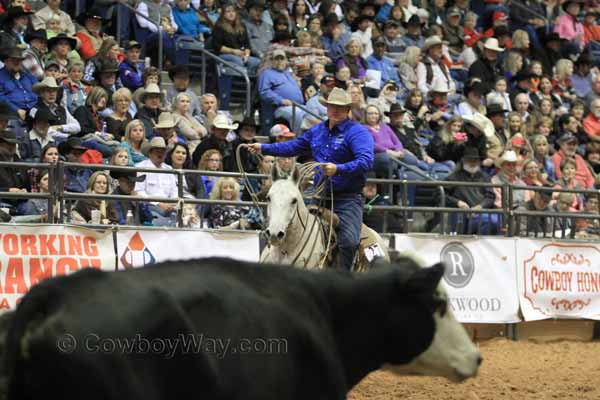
[456,90]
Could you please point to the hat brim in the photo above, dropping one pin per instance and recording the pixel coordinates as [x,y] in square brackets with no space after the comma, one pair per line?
[232,127]
[497,49]
[5,56]
[53,41]
[38,87]
[144,95]
[158,126]
[133,177]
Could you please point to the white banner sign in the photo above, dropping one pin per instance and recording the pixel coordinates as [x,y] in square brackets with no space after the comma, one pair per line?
[558,280]
[140,248]
[29,254]
[479,278]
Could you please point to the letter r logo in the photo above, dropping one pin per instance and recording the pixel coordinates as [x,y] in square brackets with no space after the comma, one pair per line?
[460,266]
[456,260]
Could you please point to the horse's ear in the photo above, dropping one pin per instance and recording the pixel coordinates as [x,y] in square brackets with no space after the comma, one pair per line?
[275,172]
[296,175]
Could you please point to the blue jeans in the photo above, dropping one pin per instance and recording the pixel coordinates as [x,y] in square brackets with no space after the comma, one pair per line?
[225,80]
[162,218]
[349,209]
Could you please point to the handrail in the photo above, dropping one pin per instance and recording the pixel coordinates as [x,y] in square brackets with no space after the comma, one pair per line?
[136,12]
[303,108]
[234,67]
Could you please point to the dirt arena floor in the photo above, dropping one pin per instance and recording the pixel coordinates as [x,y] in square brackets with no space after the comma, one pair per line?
[520,370]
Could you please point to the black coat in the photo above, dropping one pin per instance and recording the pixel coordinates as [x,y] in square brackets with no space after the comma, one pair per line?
[84,115]
[471,195]
[226,149]
[488,73]
[12,177]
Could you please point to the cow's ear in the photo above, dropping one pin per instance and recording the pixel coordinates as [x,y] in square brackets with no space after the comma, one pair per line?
[426,280]
[296,175]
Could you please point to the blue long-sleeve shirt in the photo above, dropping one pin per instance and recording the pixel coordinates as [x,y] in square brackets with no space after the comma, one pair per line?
[335,48]
[386,66]
[349,146]
[274,86]
[18,93]
[188,22]
[130,75]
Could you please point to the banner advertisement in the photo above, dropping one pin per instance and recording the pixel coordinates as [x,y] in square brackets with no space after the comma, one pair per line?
[558,280]
[479,278]
[140,248]
[29,254]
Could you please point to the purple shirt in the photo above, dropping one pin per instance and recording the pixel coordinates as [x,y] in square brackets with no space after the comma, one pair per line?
[385,139]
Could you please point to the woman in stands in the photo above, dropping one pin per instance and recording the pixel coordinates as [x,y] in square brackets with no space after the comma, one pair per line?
[540,146]
[93,128]
[99,183]
[299,16]
[568,167]
[38,206]
[188,126]
[227,216]
[442,146]
[133,141]
[73,87]
[109,50]
[120,157]
[353,60]
[118,120]
[408,67]
[211,160]
[231,41]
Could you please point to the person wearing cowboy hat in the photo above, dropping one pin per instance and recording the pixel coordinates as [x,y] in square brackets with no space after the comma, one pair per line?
[437,105]
[218,139]
[117,210]
[507,175]
[76,179]
[334,38]
[180,75]
[523,85]
[473,93]
[91,35]
[14,23]
[380,62]
[478,128]
[495,112]
[16,84]
[52,10]
[158,185]
[278,90]
[469,197]
[346,149]
[568,27]
[536,225]
[6,114]
[106,77]
[39,136]
[34,55]
[363,33]
[246,134]
[259,30]
[60,50]
[393,40]
[63,122]
[12,180]
[165,128]
[432,68]
[148,113]
[487,68]
[414,32]
[568,149]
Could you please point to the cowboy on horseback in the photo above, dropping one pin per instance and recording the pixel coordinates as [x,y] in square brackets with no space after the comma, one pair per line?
[346,150]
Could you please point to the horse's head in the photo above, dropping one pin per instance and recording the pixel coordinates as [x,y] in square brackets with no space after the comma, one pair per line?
[284,198]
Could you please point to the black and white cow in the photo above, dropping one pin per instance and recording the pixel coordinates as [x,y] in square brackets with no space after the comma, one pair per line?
[71,337]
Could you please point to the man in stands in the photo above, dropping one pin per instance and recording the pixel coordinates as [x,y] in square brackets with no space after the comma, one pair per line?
[12,180]
[535,225]
[63,123]
[218,140]
[380,62]
[346,148]
[487,68]
[591,123]
[315,104]
[259,31]
[149,112]
[158,185]
[568,147]
[130,72]
[432,69]
[16,84]
[278,89]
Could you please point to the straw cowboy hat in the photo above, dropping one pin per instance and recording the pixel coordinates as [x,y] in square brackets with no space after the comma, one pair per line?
[431,41]
[47,83]
[221,122]
[165,121]
[152,88]
[492,44]
[507,156]
[157,142]
[338,97]
[480,122]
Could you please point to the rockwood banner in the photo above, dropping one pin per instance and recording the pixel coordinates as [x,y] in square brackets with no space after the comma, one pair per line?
[29,254]
[480,274]
[558,280]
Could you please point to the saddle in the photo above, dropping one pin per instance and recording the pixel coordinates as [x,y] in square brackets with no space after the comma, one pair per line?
[368,247]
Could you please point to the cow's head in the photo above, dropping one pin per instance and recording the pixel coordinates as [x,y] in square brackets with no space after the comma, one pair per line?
[450,352]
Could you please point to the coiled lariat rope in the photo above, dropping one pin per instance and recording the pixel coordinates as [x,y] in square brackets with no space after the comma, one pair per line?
[306,171]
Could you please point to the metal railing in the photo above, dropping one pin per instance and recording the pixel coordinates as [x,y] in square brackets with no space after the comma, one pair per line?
[303,108]
[136,12]
[508,216]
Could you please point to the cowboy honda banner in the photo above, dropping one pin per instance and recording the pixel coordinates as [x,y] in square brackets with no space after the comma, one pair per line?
[139,248]
[29,254]
[479,277]
[558,280]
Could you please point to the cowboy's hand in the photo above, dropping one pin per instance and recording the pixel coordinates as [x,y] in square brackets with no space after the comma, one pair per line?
[254,148]
[330,169]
